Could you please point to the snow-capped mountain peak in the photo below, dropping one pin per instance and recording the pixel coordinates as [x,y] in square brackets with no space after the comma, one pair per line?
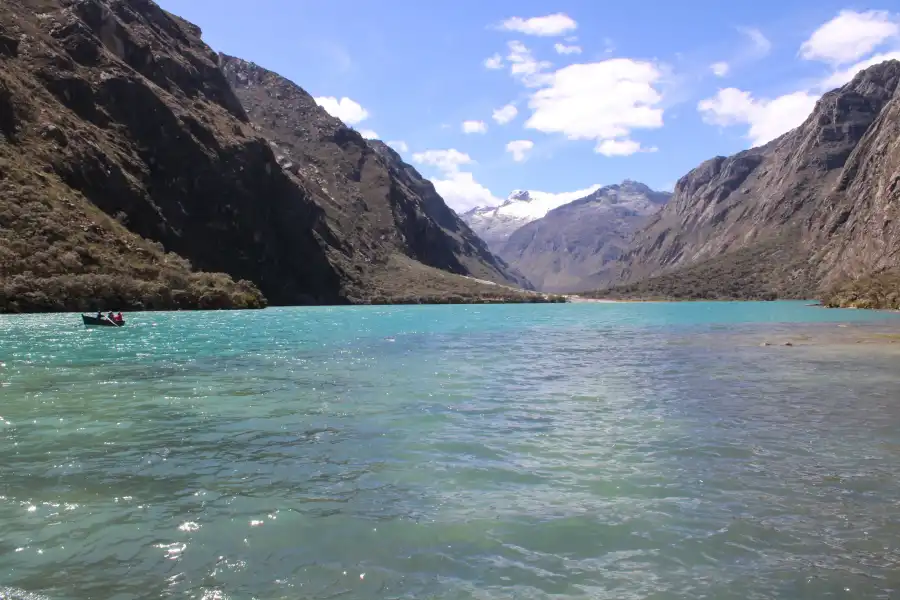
[494,224]
[518,196]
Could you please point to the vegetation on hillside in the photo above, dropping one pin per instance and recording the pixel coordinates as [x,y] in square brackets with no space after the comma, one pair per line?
[880,290]
[763,272]
[50,262]
[433,286]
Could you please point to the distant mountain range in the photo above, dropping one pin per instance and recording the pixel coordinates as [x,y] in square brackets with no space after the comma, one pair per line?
[494,224]
[569,247]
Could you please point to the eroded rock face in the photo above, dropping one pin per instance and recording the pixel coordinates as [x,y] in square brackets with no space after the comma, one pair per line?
[119,117]
[822,194]
[368,187]
[130,112]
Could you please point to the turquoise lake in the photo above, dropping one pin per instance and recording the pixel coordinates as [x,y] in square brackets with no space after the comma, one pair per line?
[590,451]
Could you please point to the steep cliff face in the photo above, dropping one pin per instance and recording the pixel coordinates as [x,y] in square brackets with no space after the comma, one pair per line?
[130,172]
[857,226]
[119,108]
[369,190]
[819,198]
[574,247]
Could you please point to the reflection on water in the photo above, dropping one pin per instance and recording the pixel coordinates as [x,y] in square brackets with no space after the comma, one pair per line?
[584,451]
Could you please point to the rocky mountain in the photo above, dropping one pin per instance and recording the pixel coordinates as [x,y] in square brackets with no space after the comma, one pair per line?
[132,175]
[814,207]
[494,224]
[575,247]
[370,193]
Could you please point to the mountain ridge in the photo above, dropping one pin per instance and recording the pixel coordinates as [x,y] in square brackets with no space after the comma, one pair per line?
[390,199]
[807,197]
[133,177]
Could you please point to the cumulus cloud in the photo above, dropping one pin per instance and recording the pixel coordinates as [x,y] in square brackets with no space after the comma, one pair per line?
[447,161]
[345,109]
[549,25]
[494,62]
[474,127]
[524,67]
[458,188]
[624,147]
[720,69]
[519,149]
[601,101]
[505,114]
[564,49]
[461,192]
[767,119]
[398,145]
[369,134]
[850,36]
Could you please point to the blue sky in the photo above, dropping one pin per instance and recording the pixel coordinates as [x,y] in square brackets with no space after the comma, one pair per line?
[602,91]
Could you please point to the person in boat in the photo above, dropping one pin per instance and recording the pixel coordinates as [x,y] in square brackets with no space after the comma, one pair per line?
[118,318]
[99,315]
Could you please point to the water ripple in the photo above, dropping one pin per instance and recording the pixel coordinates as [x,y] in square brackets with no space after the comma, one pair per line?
[584,451]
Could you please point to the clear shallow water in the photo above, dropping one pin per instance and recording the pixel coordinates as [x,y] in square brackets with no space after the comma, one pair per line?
[560,451]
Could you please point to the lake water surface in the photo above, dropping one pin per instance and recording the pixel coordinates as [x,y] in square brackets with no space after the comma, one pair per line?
[620,451]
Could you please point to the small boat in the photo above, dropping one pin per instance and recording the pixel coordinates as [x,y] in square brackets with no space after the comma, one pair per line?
[92,321]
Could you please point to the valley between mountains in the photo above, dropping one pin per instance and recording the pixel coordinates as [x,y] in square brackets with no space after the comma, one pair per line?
[141,169]
[811,214]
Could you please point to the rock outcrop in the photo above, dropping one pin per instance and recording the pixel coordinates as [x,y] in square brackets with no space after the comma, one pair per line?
[380,204]
[788,218]
[575,247]
[132,176]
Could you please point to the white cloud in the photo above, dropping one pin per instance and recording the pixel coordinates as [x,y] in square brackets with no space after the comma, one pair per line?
[458,188]
[345,109]
[844,76]
[461,192]
[494,62]
[624,147]
[447,161]
[525,67]
[505,114]
[767,119]
[564,49]
[850,36]
[474,127]
[369,134]
[519,149]
[720,69]
[600,101]
[398,145]
[761,43]
[549,25]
